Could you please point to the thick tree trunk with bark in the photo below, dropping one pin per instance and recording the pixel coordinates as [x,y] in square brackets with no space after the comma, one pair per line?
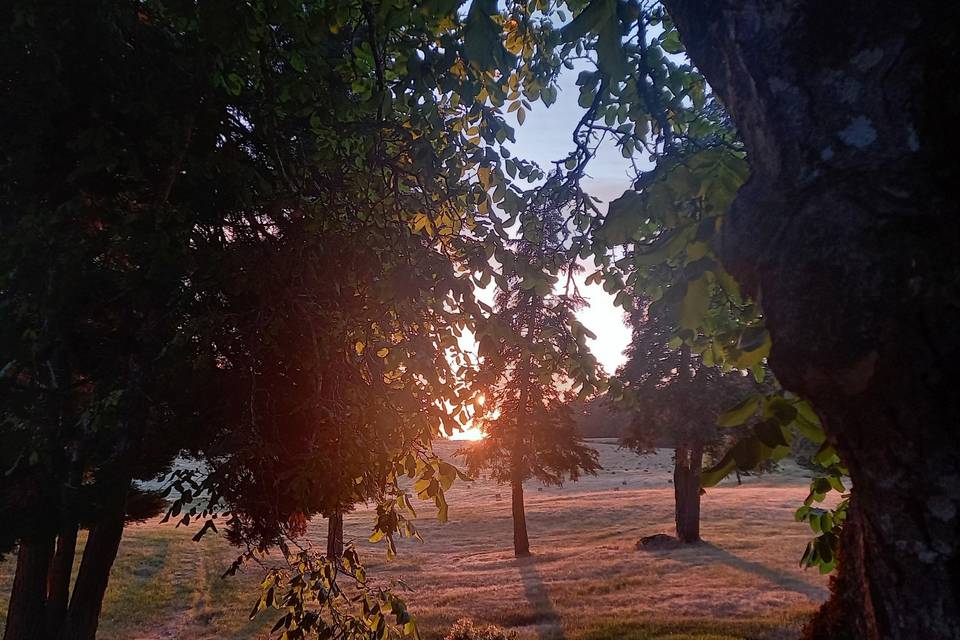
[686,490]
[521,543]
[335,536]
[28,594]
[99,554]
[847,233]
[58,579]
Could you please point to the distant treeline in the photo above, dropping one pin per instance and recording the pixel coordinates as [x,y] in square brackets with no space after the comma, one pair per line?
[599,418]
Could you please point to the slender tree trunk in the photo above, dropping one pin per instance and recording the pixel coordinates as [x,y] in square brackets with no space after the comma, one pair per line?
[58,580]
[335,536]
[686,472]
[686,488]
[28,595]
[521,543]
[83,615]
[848,227]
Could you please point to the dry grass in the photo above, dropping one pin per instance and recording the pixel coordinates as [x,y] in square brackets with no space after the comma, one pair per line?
[586,579]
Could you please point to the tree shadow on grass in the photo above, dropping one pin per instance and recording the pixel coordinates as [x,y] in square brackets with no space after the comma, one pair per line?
[706,552]
[549,625]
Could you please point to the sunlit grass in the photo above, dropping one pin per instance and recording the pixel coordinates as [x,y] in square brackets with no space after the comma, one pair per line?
[586,580]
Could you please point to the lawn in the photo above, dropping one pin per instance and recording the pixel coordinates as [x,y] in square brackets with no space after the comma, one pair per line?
[587,580]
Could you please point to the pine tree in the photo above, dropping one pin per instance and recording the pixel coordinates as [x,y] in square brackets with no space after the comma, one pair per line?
[530,431]
[674,399]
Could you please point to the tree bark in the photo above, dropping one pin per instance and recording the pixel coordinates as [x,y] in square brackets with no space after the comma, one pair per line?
[335,536]
[99,554]
[848,228]
[833,620]
[686,489]
[28,594]
[58,580]
[521,543]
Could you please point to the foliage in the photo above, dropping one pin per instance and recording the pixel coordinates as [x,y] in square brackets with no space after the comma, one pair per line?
[671,394]
[252,232]
[528,423]
[661,239]
[187,242]
[599,417]
[466,629]
[313,594]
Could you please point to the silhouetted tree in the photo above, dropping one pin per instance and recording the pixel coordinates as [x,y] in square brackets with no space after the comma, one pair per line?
[674,398]
[529,428]
[209,212]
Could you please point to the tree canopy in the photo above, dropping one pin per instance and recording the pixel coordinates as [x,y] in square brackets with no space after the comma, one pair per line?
[253,232]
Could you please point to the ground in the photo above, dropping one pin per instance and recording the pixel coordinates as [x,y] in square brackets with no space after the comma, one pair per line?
[586,580]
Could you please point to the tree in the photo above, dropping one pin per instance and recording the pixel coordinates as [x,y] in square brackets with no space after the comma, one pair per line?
[845,228]
[673,398]
[96,265]
[157,152]
[871,247]
[599,417]
[529,428]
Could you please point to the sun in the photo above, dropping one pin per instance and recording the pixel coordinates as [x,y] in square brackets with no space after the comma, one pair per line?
[471,432]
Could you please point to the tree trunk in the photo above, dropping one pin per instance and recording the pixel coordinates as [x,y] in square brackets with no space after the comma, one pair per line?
[521,543]
[848,227]
[58,580]
[99,554]
[686,489]
[335,536]
[25,612]
[833,620]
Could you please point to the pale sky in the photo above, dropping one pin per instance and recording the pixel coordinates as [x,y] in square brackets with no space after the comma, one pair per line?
[546,136]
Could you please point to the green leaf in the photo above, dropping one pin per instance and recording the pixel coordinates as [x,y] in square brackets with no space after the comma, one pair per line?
[297,61]
[234,84]
[752,357]
[770,433]
[781,409]
[695,303]
[750,452]
[590,20]
[739,414]
[447,473]
[481,36]
[624,216]
[611,58]
[752,338]
[671,42]
[711,477]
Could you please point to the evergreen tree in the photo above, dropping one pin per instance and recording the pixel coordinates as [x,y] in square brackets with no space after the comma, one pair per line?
[530,431]
[674,400]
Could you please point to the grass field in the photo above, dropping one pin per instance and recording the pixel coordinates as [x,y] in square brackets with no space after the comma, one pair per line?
[586,579]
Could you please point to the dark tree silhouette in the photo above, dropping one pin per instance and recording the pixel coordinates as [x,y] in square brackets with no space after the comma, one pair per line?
[674,400]
[529,429]
[847,227]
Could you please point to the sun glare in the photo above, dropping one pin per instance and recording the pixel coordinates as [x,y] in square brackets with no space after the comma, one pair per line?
[471,433]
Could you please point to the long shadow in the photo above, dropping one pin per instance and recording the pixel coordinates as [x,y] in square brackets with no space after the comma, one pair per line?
[549,625]
[706,551]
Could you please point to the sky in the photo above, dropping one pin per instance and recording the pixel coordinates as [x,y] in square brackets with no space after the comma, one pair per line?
[546,136]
